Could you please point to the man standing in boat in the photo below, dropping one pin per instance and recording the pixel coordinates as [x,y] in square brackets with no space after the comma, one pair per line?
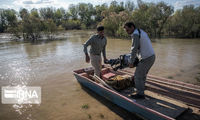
[98,45]
[141,46]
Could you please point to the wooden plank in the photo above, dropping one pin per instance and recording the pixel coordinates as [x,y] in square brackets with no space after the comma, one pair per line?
[159,103]
[176,96]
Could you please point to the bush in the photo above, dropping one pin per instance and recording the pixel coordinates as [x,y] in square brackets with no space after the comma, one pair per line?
[72,24]
[114,22]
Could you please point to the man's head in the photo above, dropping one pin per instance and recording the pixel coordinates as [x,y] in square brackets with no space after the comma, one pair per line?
[129,27]
[100,31]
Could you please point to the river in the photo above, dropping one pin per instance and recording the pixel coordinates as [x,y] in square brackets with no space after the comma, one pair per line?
[49,65]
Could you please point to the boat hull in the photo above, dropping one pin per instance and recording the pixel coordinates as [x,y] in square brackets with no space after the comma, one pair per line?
[120,100]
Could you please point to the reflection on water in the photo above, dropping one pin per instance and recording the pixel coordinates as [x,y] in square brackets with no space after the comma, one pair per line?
[20,61]
[174,55]
[28,64]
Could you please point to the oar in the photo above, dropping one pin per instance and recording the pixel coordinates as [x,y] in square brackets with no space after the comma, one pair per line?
[102,82]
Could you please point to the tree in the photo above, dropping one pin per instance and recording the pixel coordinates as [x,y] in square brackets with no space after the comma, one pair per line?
[34,12]
[86,11]
[114,22]
[98,12]
[185,22]
[141,19]
[31,26]
[47,13]
[152,17]
[49,29]
[196,27]
[155,18]
[73,11]
[72,24]
[58,16]
[23,13]
[129,6]
[2,21]
[164,12]
[115,7]
[7,19]
[12,23]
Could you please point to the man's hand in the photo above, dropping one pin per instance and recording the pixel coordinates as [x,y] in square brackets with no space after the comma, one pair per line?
[87,58]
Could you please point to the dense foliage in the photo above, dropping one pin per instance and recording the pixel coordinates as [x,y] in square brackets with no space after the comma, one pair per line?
[157,19]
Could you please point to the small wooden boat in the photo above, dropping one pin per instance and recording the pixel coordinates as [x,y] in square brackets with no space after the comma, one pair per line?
[155,106]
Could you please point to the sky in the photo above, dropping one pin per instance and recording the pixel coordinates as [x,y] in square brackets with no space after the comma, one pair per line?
[29,4]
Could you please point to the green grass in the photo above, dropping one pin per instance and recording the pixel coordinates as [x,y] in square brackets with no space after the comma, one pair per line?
[85,106]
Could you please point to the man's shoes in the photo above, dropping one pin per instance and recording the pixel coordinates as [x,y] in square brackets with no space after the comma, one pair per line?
[137,96]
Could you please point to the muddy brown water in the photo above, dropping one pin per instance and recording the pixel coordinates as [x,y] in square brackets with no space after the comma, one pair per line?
[49,65]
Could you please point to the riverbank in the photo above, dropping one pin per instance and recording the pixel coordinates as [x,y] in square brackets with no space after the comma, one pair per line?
[63,34]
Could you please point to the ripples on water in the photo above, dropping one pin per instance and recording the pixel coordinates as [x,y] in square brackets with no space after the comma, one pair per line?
[26,63]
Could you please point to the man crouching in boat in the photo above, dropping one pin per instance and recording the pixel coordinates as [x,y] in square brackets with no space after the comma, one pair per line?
[141,44]
[98,44]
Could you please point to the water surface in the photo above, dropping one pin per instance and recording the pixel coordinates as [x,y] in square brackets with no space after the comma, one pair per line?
[50,65]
